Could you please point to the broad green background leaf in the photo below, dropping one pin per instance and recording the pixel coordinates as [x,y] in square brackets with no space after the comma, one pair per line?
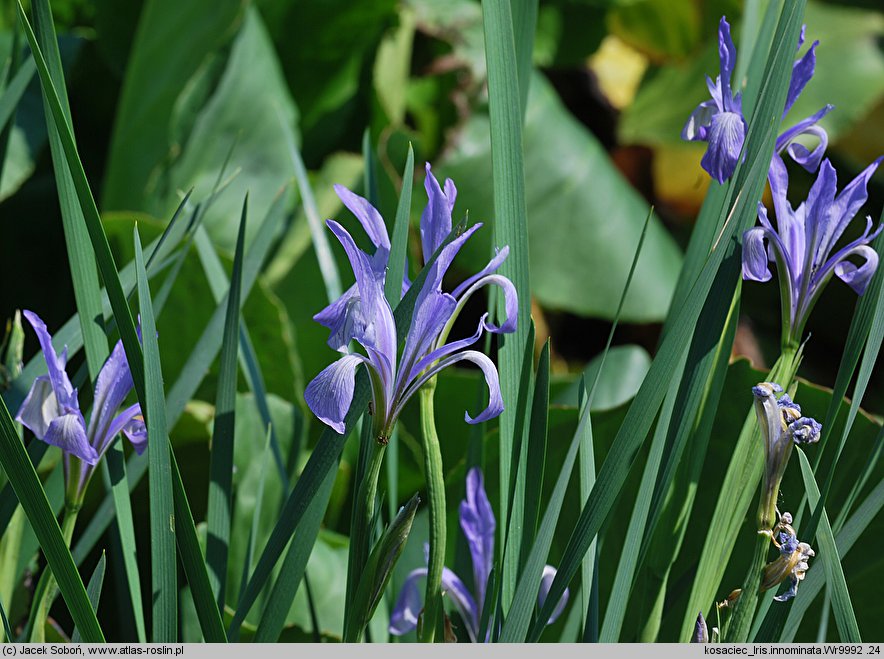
[172,42]
[625,368]
[247,107]
[584,219]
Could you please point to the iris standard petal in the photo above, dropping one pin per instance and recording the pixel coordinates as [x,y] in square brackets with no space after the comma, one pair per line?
[478,524]
[368,217]
[366,280]
[847,204]
[68,432]
[330,393]
[343,318]
[810,159]
[755,258]
[432,311]
[802,72]
[819,202]
[111,388]
[446,258]
[39,408]
[436,217]
[546,581]
[64,391]
[858,277]
[726,135]
[727,58]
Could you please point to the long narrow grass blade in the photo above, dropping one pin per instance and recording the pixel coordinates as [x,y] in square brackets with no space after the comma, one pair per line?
[89,210]
[510,228]
[115,472]
[84,276]
[624,576]
[164,581]
[536,454]
[30,493]
[399,242]
[322,460]
[192,560]
[524,26]
[842,607]
[15,90]
[220,499]
[869,311]
[327,265]
[515,627]
[293,566]
[93,591]
[588,573]
[193,372]
[3,617]
[248,358]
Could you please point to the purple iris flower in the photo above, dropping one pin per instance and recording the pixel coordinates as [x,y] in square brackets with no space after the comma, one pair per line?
[720,122]
[478,524]
[802,245]
[51,409]
[364,315]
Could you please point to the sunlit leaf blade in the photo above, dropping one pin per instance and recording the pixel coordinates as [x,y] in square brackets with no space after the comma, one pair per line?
[828,554]
[24,480]
[93,590]
[524,26]
[516,626]
[220,499]
[510,228]
[537,447]
[164,581]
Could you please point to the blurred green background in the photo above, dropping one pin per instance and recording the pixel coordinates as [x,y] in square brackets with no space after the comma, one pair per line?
[161,90]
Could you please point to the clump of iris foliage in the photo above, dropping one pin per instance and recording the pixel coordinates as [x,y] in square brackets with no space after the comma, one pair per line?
[250,431]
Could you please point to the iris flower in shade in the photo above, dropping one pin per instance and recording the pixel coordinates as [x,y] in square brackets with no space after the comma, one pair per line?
[478,523]
[803,243]
[51,409]
[782,426]
[790,564]
[364,315]
[720,121]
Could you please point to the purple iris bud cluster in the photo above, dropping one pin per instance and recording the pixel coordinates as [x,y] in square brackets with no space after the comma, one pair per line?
[478,524]
[720,122]
[363,314]
[51,409]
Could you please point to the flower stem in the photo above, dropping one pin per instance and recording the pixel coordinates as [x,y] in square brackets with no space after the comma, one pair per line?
[436,495]
[744,608]
[47,588]
[361,535]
